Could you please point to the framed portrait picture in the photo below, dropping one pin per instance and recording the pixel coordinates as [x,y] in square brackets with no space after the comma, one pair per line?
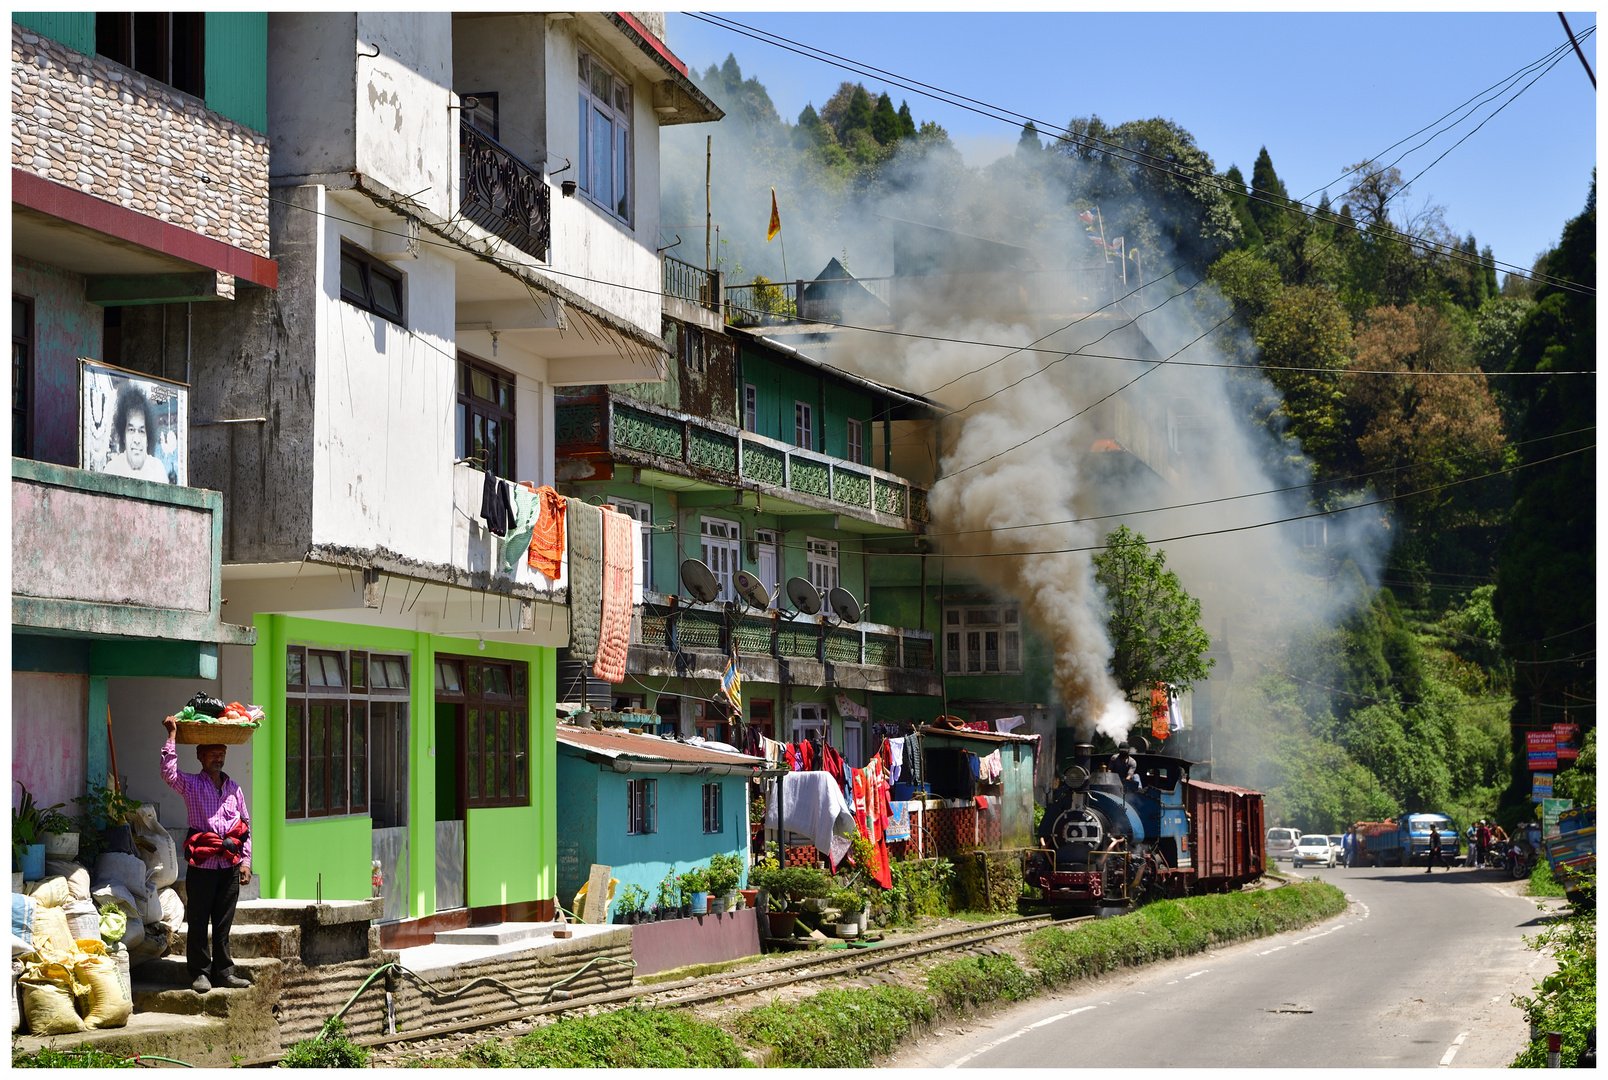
[132,424]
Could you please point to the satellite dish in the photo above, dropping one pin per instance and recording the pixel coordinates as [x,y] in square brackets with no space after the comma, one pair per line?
[751,589]
[844,605]
[699,580]
[803,595]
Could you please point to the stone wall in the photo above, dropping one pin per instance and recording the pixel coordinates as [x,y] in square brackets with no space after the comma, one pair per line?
[94,125]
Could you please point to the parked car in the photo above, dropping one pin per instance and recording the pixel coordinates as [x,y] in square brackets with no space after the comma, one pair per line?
[1281,843]
[1315,850]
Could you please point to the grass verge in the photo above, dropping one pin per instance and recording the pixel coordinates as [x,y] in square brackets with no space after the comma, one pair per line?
[85,1057]
[980,980]
[1542,883]
[632,1038]
[836,1029]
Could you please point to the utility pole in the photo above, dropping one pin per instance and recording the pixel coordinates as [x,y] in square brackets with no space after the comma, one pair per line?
[709,157]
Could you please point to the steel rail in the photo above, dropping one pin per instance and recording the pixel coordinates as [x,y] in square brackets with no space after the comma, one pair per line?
[824,967]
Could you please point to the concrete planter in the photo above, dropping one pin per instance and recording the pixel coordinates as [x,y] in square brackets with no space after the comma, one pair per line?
[702,939]
[61,845]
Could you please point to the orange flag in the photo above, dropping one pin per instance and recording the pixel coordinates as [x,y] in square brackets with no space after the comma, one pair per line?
[776,220]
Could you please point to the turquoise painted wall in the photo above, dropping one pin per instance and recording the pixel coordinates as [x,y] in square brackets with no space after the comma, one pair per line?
[74,29]
[510,851]
[778,385]
[577,840]
[237,66]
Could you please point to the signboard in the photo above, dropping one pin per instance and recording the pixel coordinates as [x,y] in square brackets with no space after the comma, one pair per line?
[132,424]
[1540,786]
[1543,750]
[1550,809]
[1567,738]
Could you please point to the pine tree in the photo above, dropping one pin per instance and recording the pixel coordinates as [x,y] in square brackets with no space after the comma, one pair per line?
[885,126]
[857,116]
[1488,261]
[811,130]
[907,123]
[1268,196]
[1235,184]
[1029,142]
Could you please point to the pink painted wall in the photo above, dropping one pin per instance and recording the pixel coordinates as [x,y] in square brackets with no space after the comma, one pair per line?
[47,736]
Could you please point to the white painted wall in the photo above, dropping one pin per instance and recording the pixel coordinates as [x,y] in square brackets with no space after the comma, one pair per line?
[407,138]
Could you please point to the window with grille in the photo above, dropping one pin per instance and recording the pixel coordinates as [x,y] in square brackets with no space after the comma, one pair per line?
[493,727]
[605,130]
[720,539]
[331,698]
[485,419]
[821,561]
[711,808]
[982,640]
[642,514]
[803,425]
[808,717]
[641,811]
[856,449]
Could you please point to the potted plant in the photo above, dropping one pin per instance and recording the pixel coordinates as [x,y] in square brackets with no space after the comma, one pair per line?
[725,871]
[628,905]
[808,886]
[695,884]
[61,834]
[27,838]
[669,906]
[849,905]
[110,809]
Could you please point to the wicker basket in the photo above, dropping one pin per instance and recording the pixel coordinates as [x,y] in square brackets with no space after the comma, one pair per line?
[228,733]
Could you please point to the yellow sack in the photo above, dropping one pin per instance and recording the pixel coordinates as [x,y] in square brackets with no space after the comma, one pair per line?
[47,1000]
[51,892]
[579,905]
[51,936]
[109,1006]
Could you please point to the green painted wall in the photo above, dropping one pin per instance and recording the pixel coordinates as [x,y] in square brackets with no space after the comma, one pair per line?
[778,385]
[74,29]
[237,66]
[510,851]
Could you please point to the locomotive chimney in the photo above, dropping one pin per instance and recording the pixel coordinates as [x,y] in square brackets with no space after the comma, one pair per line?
[1083,754]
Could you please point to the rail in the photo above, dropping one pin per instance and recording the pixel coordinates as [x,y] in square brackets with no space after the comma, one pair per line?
[502,194]
[683,627]
[693,284]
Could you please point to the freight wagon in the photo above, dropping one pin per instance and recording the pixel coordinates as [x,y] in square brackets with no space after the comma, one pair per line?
[1105,846]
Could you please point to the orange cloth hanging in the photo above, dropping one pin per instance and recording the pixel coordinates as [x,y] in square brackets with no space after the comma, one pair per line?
[547,541]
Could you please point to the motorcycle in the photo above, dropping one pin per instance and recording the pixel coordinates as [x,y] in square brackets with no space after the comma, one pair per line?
[1519,859]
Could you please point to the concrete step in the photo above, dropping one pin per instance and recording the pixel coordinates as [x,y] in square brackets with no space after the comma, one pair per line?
[254,940]
[296,912]
[163,986]
[496,934]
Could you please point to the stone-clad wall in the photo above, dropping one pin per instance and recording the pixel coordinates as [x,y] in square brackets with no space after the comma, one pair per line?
[97,126]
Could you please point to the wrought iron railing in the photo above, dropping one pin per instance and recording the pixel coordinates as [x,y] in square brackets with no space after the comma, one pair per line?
[502,194]
[687,282]
[712,628]
[595,425]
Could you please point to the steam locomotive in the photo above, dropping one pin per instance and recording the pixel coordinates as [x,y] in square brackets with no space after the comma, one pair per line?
[1106,845]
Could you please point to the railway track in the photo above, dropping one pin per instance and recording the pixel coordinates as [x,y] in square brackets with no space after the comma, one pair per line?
[693,991]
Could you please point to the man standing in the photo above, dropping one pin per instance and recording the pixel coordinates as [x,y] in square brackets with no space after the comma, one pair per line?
[218,850]
[1434,849]
[1483,838]
[1348,845]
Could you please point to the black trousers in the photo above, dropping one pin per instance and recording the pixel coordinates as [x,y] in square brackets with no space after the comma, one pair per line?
[212,895]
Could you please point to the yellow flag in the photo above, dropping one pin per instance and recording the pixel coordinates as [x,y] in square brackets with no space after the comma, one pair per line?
[776,220]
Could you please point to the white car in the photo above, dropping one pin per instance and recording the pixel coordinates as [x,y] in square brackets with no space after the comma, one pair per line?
[1317,850]
[1281,844]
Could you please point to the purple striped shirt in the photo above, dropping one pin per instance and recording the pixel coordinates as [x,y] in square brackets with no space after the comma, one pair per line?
[207,808]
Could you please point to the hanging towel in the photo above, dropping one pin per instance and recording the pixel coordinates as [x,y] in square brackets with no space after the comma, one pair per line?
[495,505]
[614,632]
[813,805]
[895,759]
[547,538]
[585,525]
[521,521]
[992,767]
[1009,723]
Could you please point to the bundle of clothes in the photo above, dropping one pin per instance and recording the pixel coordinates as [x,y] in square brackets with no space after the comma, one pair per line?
[829,801]
[76,936]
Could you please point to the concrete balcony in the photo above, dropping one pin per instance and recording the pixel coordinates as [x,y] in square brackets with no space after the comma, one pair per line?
[596,437]
[672,636]
[105,557]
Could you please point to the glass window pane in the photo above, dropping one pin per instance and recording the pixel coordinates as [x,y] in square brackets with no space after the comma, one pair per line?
[602,144]
[294,764]
[352,275]
[991,650]
[622,171]
[584,173]
[337,747]
[315,670]
[471,751]
[359,756]
[358,664]
[396,675]
[1013,651]
[387,296]
[474,678]
[463,377]
[602,82]
[477,443]
[519,681]
[480,383]
[974,652]
[332,671]
[316,735]
[293,668]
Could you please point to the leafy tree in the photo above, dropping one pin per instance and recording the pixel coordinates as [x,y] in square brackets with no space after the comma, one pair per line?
[1029,143]
[907,123]
[811,131]
[1306,327]
[1373,188]
[1153,624]
[857,116]
[745,100]
[1580,782]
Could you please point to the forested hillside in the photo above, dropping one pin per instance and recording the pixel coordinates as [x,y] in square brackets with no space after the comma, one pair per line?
[1405,374]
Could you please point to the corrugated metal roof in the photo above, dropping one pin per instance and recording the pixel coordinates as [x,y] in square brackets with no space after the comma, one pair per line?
[1206,785]
[980,736]
[613,744]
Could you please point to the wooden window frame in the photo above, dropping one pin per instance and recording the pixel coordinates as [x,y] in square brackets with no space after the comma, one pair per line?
[641,807]
[510,749]
[819,564]
[500,409]
[960,628]
[804,424]
[351,756]
[751,408]
[368,266]
[855,439]
[713,822]
[730,542]
[618,112]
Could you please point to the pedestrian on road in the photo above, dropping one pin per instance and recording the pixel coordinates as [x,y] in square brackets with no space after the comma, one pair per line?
[1435,850]
[1483,839]
[1348,845]
[218,850]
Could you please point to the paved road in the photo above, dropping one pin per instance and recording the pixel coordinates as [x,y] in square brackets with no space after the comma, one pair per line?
[1418,972]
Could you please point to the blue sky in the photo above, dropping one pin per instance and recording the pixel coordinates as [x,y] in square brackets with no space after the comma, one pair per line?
[1321,91]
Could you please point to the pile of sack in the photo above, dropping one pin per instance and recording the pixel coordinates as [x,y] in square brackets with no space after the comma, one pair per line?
[76,937]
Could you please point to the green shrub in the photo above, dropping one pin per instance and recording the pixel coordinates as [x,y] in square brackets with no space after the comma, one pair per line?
[85,1057]
[1566,1000]
[988,882]
[1542,883]
[333,1051]
[980,980]
[1177,928]
[633,1038]
[920,887]
[836,1029]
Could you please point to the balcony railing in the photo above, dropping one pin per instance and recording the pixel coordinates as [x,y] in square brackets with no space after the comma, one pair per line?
[502,194]
[691,627]
[691,283]
[650,435]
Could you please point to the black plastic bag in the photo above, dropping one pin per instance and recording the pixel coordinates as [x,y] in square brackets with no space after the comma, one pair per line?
[206,705]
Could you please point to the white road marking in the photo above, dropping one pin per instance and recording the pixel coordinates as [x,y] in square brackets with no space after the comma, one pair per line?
[1197,973]
[1446,1058]
[1275,949]
[958,1062]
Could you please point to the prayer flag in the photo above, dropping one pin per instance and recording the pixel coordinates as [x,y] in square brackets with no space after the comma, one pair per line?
[775,221]
[731,684]
[1116,245]
[1086,216]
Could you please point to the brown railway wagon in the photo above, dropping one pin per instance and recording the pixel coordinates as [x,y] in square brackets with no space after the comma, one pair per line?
[1226,837]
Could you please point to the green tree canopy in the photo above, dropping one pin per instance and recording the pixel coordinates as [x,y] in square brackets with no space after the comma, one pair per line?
[1153,624]
[1267,197]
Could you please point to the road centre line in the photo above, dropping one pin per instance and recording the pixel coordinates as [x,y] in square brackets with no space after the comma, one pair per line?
[1201,972]
[1275,949]
[1446,1059]
[958,1062]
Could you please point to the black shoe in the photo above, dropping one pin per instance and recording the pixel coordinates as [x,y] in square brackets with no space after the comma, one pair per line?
[201,985]
[230,981]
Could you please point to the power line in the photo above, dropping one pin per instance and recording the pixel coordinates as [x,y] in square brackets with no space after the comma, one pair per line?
[1123,153]
[1564,19]
[1508,700]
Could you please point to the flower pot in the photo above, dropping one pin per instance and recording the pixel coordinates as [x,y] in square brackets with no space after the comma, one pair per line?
[33,862]
[815,904]
[61,845]
[781,923]
[848,929]
[734,900]
[717,904]
[750,896]
[700,903]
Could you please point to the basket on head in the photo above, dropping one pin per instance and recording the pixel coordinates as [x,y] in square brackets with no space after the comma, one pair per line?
[197,733]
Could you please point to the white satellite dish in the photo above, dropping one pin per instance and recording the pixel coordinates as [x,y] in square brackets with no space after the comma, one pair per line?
[751,589]
[804,596]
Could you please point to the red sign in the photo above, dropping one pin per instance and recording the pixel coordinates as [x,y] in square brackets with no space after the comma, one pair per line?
[1567,737]
[1543,750]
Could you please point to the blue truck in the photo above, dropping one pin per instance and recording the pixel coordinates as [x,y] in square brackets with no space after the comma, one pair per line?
[1573,852]
[1408,842]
